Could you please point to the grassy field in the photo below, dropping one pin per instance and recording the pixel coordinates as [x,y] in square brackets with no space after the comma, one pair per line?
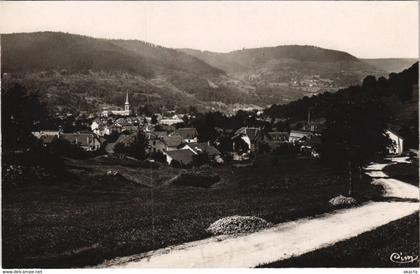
[370,249]
[408,173]
[89,217]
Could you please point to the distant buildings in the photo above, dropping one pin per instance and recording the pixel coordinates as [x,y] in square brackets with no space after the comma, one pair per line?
[171,120]
[86,140]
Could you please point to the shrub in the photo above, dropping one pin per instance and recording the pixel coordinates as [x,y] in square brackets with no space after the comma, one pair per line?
[237,224]
[285,149]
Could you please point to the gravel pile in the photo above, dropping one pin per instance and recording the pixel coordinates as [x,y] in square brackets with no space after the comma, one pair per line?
[237,224]
[342,200]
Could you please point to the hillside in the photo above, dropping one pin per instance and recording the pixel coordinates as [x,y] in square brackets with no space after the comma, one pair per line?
[63,66]
[67,69]
[251,59]
[287,73]
[391,64]
[32,52]
[288,62]
[399,95]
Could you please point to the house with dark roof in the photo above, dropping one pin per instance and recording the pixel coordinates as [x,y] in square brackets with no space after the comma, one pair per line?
[188,134]
[172,142]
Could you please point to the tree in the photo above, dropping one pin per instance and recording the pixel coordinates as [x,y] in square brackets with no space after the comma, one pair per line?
[369,81]
[158,156]
[355,134]
[22,113]
[225,143]
[154,119]
[136,149]
[200,159]
[241,146]
[62,147]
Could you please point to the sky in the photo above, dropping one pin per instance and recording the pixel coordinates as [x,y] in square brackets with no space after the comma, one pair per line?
[366,29]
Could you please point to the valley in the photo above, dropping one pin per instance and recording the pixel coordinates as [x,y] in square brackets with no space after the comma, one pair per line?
[68,69]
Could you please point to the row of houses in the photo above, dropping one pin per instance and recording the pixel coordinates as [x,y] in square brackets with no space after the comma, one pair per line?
[181,146]
[85,139]
[308,140]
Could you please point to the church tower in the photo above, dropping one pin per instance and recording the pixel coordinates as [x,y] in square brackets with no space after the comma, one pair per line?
[126,104]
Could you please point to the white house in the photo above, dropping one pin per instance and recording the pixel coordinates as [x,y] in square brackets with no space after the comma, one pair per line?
[398,142]
[171,121]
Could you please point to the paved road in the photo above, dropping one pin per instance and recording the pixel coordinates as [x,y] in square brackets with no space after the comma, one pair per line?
[286,239]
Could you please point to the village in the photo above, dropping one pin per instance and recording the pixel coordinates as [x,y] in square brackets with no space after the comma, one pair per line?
[261,134]
[169,142]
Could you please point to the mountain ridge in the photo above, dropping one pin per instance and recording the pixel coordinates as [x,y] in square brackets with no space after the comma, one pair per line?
[58,63]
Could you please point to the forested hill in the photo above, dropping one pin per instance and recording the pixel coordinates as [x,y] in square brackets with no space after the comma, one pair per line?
[41,51]
[399,95]
[290,72]
[76,73]
[274,58]
[391,64]
[79,73]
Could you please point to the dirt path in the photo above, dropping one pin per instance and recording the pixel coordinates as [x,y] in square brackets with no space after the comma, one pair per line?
[287,239]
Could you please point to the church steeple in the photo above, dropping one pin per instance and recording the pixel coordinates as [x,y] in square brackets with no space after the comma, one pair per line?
[126,104]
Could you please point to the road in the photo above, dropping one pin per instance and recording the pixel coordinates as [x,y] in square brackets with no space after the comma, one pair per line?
[286,239]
